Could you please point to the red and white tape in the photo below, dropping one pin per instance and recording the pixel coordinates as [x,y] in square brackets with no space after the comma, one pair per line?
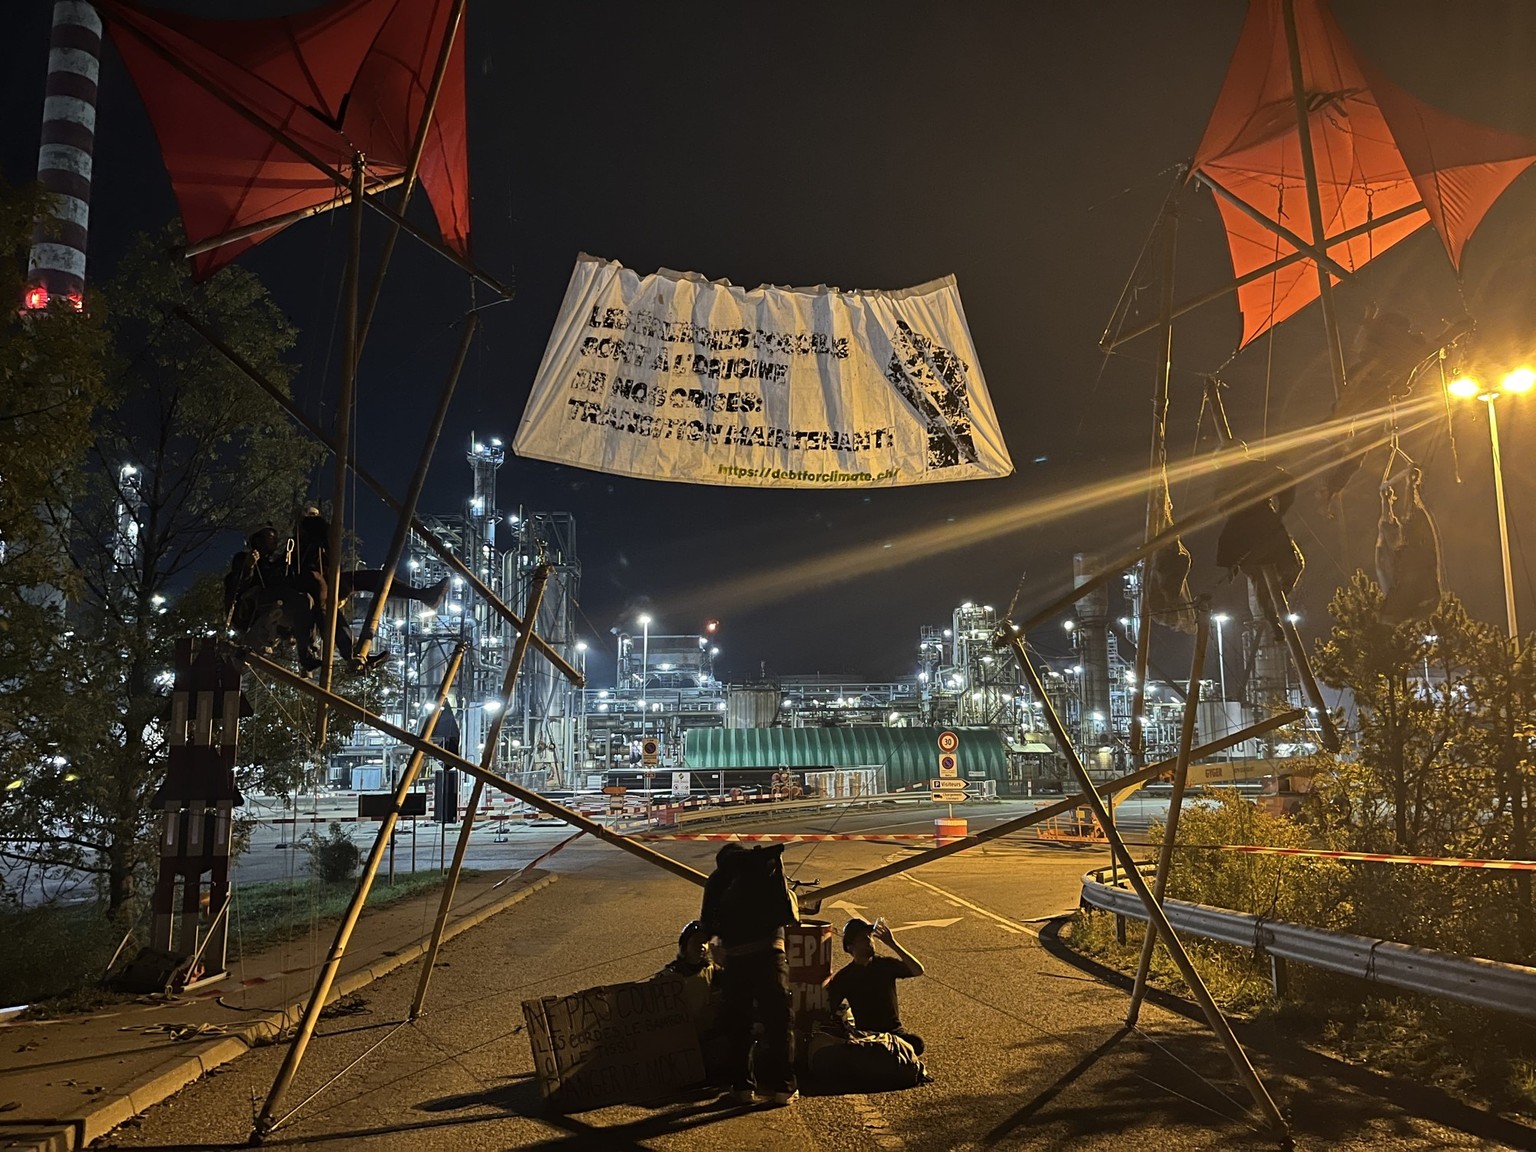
[778,837]
[1378,857]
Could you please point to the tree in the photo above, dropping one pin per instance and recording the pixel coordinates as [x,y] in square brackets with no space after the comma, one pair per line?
[52,381]
[1409,728]
[1443,765]
[185,451]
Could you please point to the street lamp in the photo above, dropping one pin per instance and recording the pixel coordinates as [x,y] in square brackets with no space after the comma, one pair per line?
[1218,619]
[1470,388]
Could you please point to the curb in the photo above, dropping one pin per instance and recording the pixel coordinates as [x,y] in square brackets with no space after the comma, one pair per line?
[69,1133]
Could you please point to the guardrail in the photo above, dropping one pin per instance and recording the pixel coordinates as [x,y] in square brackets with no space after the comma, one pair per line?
[1467,979]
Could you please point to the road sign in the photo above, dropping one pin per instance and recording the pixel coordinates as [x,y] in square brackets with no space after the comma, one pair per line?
[946,782]
[957,797]
[377,805]
[648,752]
[948,741]
[948,765]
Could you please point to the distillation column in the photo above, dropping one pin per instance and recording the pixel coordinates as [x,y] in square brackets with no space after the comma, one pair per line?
[1093,651]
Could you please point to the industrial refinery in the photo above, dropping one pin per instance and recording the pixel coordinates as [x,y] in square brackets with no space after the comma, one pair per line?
[655,715]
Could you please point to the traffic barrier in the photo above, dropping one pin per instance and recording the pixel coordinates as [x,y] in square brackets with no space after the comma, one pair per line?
[948,829]
[780,837]
[1468,979]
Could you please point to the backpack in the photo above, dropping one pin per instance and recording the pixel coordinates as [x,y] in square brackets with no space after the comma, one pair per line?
[754,899]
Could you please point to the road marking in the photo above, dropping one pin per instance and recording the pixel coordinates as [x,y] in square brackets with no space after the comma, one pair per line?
[851,909]
[875,1124]
[928,924]
[1008,925]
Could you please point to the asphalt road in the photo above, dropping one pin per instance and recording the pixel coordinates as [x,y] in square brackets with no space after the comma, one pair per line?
[1027,1043]
[276,852]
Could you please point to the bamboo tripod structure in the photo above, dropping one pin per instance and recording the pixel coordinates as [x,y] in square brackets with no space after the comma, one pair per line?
[1155,916]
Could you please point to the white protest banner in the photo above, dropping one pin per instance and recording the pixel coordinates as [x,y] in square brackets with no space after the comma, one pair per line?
[674,377]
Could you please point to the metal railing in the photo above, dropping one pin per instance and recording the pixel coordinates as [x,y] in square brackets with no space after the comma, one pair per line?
[1468,979]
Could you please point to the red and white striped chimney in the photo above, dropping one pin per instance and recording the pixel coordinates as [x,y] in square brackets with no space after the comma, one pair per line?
[56,267]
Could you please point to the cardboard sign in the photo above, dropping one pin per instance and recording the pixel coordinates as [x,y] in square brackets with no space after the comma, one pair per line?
[617,1043]
[808,949]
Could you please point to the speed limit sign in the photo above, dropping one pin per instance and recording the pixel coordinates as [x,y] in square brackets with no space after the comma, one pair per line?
[948,741]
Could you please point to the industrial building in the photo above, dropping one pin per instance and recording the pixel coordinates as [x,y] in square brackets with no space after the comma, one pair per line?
[713,736]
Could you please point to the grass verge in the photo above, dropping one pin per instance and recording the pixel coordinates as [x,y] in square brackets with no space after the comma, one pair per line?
[1484,1057]
[54,957]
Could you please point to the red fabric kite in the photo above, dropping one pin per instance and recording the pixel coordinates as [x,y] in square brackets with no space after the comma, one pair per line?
[350,77]
[1377,150]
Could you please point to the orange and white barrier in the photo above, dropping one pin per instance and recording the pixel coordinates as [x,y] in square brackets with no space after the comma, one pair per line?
[1376,857]
[778,837]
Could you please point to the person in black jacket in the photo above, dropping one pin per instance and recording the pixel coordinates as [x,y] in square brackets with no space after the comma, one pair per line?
[747,905]
[278,589]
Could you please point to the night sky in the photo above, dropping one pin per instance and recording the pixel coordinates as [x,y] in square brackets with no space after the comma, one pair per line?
[1023,146]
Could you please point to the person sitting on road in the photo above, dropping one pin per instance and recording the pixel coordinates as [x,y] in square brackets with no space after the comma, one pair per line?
[867,984]
[695,964]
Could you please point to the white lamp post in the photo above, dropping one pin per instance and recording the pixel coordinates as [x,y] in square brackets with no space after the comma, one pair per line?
[1467,388]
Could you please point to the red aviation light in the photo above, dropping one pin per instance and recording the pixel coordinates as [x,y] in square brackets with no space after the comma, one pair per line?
[712,626]
[36,299]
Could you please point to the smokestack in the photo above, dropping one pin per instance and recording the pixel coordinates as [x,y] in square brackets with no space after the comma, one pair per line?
[56,267]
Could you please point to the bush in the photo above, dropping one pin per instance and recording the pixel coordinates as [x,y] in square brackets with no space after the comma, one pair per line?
[333,857]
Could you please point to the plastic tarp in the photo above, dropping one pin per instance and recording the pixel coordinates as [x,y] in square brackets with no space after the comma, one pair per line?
[1376,149]
[910,756]
[347,78]
[670,376]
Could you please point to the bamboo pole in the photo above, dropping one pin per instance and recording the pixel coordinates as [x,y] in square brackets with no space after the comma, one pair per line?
[1040,815]
[1155,913]
[309,157]
[1309,251]
[265,1121]
[429,538]
[413,166]
[1110,343]
[496,780]
[1175,801]
[273,223]
[344,405]
[413,494]
[1314,202]
[1157,488]
[541,576]
[1282,610]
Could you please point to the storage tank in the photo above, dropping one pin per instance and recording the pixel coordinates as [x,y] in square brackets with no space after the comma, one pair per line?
[751,707]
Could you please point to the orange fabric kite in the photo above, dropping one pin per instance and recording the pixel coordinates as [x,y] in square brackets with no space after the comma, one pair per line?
[1377,151]
[350,77]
